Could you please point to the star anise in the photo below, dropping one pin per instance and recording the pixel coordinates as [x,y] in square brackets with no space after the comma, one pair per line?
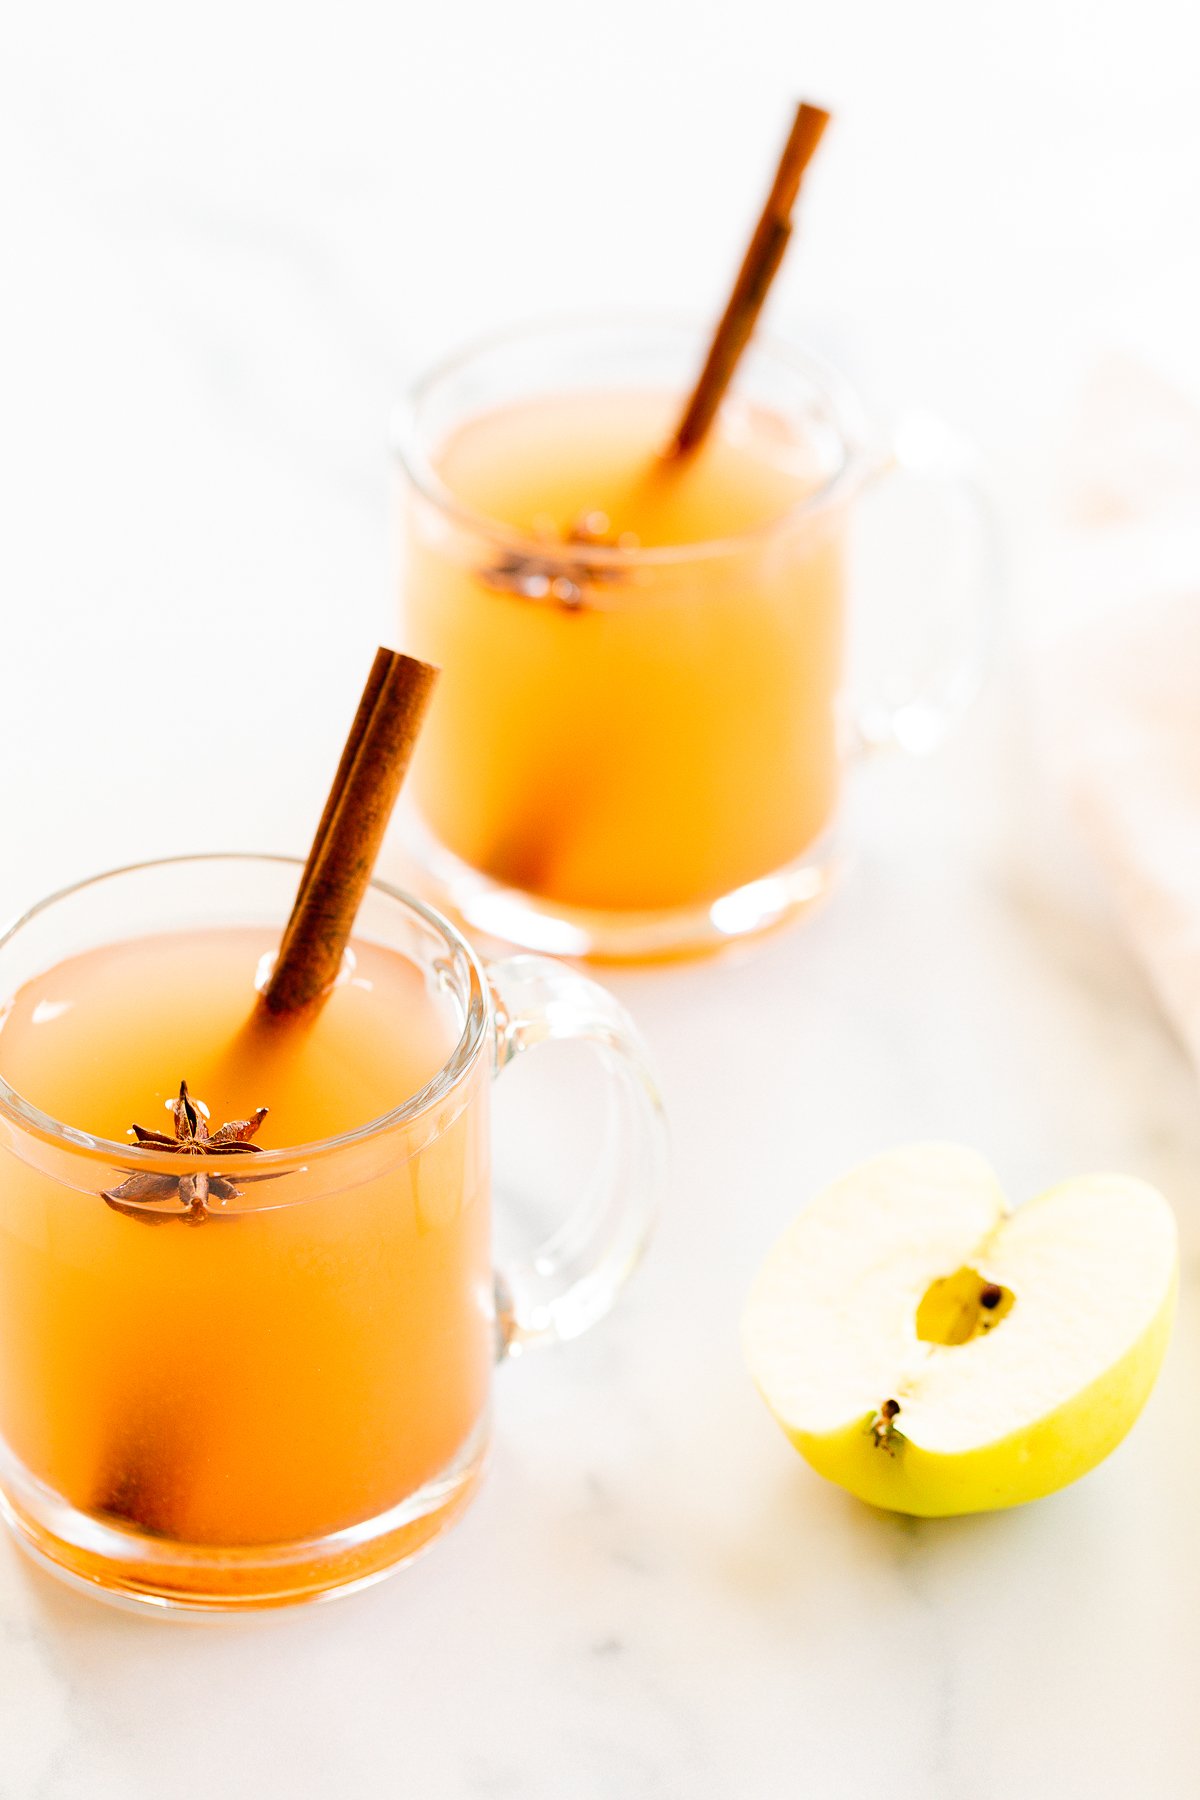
[192,1138]
[556,578]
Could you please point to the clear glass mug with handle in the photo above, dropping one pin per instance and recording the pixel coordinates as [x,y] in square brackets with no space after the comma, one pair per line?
[291,1402]
[637,747]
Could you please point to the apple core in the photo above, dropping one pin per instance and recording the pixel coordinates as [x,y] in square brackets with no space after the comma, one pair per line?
[956,1308]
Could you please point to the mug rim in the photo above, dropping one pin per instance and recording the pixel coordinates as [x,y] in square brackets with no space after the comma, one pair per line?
[28,1117]
[848,413]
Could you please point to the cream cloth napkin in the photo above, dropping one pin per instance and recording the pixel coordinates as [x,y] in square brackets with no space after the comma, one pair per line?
[1118,671]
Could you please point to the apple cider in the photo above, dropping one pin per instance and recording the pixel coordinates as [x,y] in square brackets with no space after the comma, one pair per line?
[640,661]
[307,1346]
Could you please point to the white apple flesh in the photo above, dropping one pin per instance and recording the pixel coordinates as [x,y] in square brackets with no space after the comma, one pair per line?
[935,1352]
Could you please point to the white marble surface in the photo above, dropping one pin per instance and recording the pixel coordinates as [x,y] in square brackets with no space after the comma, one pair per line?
[229,232]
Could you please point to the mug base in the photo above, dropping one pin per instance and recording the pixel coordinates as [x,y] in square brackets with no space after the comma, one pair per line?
[142,1572]
[531,922]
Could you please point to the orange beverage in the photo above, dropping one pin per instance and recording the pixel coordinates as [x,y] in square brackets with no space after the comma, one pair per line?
[291,1393]
[641,662]
[248,1359]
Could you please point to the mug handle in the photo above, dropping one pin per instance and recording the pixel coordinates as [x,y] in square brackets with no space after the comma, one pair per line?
[571,1279]
[930,682]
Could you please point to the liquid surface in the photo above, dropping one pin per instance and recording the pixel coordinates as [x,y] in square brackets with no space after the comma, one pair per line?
[103,1039]
[546,462]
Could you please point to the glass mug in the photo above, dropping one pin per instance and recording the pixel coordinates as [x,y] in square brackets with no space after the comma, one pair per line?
[299,1400]
[636,748]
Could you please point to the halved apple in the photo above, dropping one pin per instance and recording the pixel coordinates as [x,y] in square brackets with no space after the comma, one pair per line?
[935,1352]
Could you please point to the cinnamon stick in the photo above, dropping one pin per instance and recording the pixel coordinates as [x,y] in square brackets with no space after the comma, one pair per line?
[759,268]
[348,838]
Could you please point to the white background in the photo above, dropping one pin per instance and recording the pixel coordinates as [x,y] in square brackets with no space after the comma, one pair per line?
[229,234]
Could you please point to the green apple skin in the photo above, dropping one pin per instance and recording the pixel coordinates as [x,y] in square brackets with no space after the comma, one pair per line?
[1048,1455]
